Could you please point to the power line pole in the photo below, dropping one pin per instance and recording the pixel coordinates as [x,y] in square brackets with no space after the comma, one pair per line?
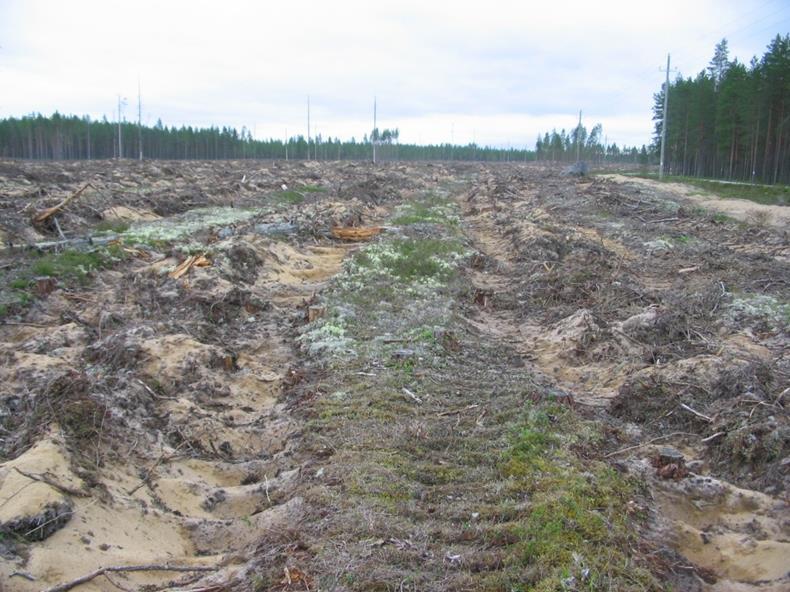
[374,139]
[119,127]
[286,144]
[308,127]
[664,123]
[139,121]
[578,137]
[120,143]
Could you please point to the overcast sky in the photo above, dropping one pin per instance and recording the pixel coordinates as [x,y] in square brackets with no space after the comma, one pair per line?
[496,72]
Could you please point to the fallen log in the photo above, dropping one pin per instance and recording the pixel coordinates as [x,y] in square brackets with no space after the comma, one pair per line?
[84,240]
[356,233]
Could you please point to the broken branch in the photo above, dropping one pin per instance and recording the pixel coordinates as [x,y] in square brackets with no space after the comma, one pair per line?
[713,437]
[697,413]
[412,395]
[189,263]
[126,568]
[643,444]
[44,215]
[52,483]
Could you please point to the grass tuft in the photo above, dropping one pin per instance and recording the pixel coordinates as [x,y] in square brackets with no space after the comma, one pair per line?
[289,196]
[72,265]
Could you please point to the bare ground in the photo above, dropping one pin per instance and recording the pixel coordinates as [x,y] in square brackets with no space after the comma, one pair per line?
[481,398]
[741,209]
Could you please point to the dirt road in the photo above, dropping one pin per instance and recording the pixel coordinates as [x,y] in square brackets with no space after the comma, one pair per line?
[523,381]
[740,209]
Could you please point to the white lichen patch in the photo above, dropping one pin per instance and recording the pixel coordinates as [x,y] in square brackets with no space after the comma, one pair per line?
[433,211]
[328,337]
[660,244]
[760,307]
[188,223]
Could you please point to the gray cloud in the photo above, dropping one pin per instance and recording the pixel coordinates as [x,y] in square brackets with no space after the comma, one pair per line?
[496,72]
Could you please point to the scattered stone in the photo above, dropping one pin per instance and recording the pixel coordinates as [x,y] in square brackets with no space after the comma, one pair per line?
[276,228]
[225,232]
[670,463]
[403,354]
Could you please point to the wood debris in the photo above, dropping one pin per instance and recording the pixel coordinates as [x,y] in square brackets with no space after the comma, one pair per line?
[358,233]
[44,215]
[189,263]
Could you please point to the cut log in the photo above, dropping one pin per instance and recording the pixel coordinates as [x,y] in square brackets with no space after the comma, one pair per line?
[356,233]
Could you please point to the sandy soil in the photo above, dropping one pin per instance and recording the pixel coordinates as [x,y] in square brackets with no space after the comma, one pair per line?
[740,209]
[152,419]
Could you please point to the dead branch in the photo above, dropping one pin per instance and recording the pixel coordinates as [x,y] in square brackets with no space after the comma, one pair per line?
[713,437]
[88,240]
[50,521]
[643,444]
[126,568]
[188,263]
[456,411]
[44,215]
[57,226]
[697,413]
[41,477]
[412,395]
[149,472]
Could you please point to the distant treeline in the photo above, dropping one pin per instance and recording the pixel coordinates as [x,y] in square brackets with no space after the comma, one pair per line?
[732,120]
[60,137]
[579,144]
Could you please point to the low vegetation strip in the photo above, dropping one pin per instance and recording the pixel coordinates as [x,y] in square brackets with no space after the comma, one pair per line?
[772,195]
[444,464]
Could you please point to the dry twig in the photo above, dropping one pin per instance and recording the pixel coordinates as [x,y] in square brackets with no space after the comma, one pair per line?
[412,395]
[643,444]
[42,477]
[697,413]
[126,568]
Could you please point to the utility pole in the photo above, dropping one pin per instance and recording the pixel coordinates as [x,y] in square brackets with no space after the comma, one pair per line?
[139,121]
[664,123]
[286,144]
[308,127]
[120,144]
[578,138]
[119,128]
[374,135]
